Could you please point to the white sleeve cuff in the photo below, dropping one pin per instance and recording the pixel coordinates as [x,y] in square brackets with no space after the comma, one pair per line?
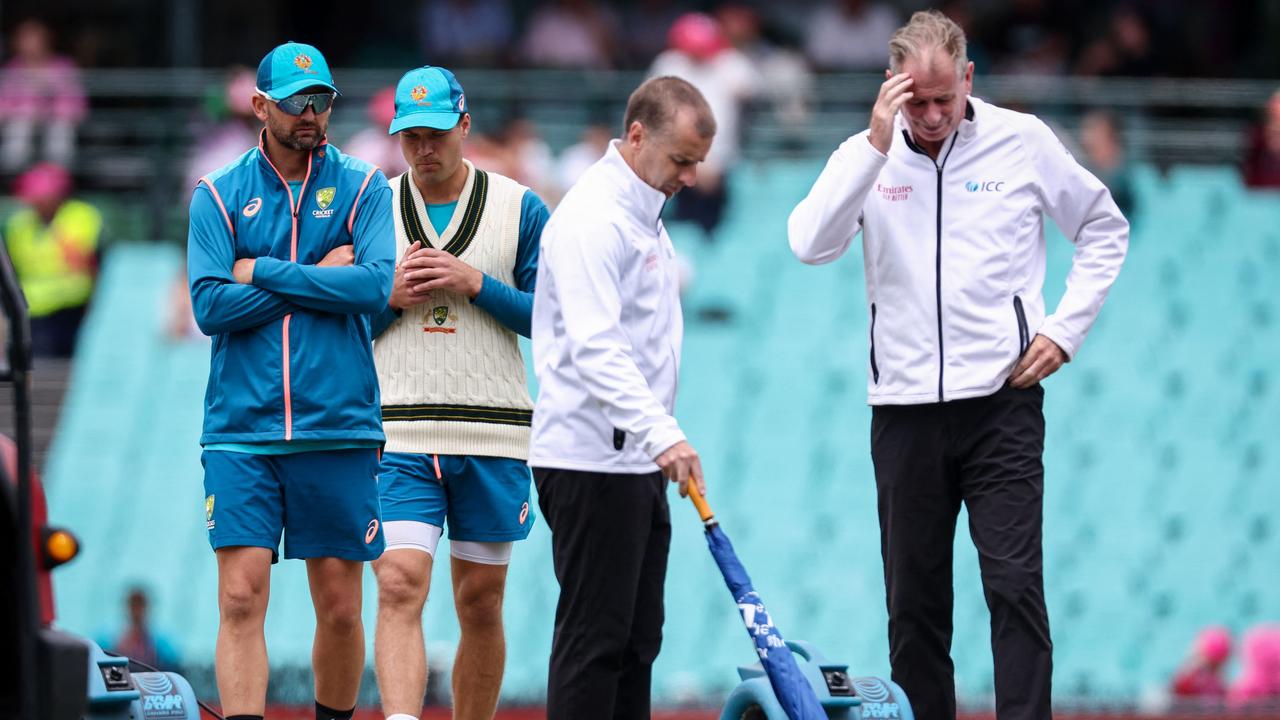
[1050,330]
[661,438]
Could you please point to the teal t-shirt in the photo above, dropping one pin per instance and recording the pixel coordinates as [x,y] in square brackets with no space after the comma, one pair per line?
[440,215]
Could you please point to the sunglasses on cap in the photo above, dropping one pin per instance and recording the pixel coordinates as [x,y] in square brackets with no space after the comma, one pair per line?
[297,104]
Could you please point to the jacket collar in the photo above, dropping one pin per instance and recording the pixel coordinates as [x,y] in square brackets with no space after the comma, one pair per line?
[968,124]
[641,200]
[313,162]
[317,155]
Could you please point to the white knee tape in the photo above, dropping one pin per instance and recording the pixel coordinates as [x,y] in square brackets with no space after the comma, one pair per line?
[485,553]
[412,535]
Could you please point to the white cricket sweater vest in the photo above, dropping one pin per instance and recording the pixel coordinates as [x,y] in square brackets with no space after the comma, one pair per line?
[452,376]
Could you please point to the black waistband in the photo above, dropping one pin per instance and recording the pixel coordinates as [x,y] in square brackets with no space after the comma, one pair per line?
[458,413]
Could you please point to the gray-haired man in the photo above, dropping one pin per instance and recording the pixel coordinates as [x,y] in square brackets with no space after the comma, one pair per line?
[949,193]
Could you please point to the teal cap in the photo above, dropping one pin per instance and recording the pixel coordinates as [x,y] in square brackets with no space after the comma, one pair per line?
[428,97]
[291,68]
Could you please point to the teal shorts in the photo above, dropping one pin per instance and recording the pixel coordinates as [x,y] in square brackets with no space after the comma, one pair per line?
[324,503]
[479,499]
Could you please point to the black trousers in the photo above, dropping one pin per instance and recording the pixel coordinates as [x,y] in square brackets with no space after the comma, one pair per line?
[987,453]
[54,335]
[610,535]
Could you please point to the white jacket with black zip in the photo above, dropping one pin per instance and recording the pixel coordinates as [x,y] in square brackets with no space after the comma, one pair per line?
[954,250]
[607,327]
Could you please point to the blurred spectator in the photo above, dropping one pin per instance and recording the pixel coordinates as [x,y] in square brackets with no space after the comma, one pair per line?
[139,640]
[532,163]
[1201,675]
[576,158]
[645,25]
[699,53]
[1259,681]
[234,132]
[465,32]
[54,245]
[962,14]
[783,75]
[519,152]
[851,35]
[1048,56]
[1262,158]
[1028,38]
[1124,50]
[40,91]
[1103,141]
[571,34]
[487,152]
[373,144]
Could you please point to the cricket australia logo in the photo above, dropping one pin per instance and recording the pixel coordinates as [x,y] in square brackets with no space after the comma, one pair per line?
[208,513]
[324,198]
[445,320]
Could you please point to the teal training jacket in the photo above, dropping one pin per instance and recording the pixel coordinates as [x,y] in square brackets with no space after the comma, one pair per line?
[292,355]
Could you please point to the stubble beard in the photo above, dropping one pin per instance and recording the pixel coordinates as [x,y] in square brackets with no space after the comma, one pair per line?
[294,141]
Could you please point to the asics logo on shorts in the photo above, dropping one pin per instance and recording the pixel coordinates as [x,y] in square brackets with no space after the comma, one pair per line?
[372,532]
[524,513]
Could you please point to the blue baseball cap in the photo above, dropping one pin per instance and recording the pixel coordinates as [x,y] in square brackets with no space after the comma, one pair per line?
[291,68]
[428,97]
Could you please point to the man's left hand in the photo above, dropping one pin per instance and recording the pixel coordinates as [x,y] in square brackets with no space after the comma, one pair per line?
[433,269]
[1041,360]
[243,271]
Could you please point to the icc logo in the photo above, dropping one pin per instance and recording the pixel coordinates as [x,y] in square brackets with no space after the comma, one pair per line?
[986,186]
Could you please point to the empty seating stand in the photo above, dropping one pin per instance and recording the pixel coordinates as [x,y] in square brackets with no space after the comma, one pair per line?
[1161,465]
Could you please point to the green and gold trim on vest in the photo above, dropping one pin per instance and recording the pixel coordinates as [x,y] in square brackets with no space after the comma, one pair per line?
[458,413]
[470,219]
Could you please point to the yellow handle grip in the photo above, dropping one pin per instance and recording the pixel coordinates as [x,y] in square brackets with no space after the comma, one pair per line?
[699,502]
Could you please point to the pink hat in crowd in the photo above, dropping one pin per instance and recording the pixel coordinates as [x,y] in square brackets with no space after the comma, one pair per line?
[44,181]
[698,35]
[1213,644]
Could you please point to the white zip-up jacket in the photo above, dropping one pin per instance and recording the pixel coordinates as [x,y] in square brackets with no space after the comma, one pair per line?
[954,250]
[607,327]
